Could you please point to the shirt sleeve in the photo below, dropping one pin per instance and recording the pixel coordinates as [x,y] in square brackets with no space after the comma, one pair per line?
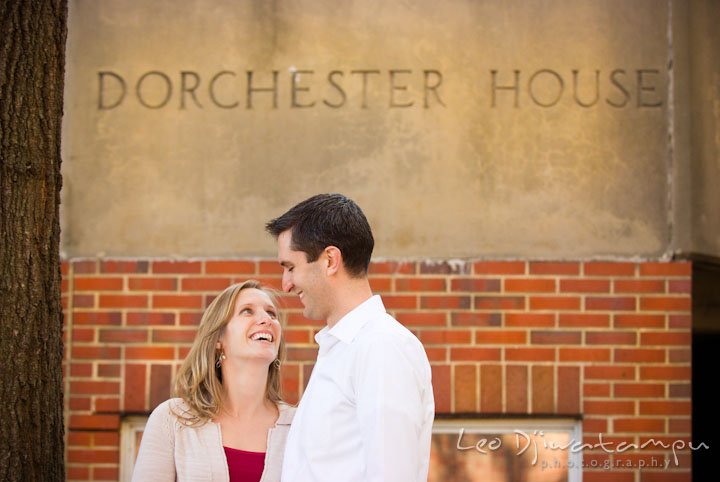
[156,460]
[395,408]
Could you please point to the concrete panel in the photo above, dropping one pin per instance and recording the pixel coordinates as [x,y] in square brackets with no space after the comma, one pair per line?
[463,128]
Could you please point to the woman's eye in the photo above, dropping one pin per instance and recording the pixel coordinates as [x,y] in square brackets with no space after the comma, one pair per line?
[246,310]
[272,314]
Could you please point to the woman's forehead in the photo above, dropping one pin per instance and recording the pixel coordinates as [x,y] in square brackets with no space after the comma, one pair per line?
[253,295]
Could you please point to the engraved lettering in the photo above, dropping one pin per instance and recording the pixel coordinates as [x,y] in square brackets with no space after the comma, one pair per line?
[575,89]
[101,90]
[189,89]
[294,88]
[560,83]
[212,90]
[515,87]
[337,86]
[251,89]
[364,74]
[168,93]
[621,88]
[641,87]
[432,87]
[394,87]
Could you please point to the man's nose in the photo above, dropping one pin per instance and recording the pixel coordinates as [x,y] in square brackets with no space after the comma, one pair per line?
[287,284]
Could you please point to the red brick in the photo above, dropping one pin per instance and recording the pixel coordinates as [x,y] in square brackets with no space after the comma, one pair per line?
[444,267]
[83,334]
[499,302]
[81,369]
[613,372]
[445,302]
[584,286]
[568,396]
[205,284]
[123,336]
[583,320]
[639,286]
[475,354]
[637,355]
[680,286]
[680,356]
[98,284]
[610,338]
[543,388]
[177,267]
[680,390]
[302,354]
[445,336]
[530,354]
[150,353]
[123,301]
[422,319]
[96,352]
[380,285]
[501,337]
[436,354]
[134,393]
[266,282]
[679,425]
[475,284]
[476,319]
[673,476]
[177,301]
[610,303]
[84,267]
[152,284]
[404,302]
[173,336]
[94,388]
[80,403]
[639,321]
[107,405]
[297,319]
[160,384]
[516,377]
[554,303]
[596,390]
[107,370]
[679,321]
[420,284]
[95,422]
[594,425]
[79,439]
[550,267]
[144,319]
[269,267]
[584,354]
[93,456]
[392,267]
[465,378]
[665,303]
[665,338]
[598,268]
[530,319]
[105,473]
[640,425]
[665,408]
[555,337]
[441,388]
[96,318]
[609,408]
[183,352]
[666,269]
[230,267]
[83,301]
[639,390]
[116,266]
[491,388]
[530,285]
[64,285]
[190,318]
[499,267]
[297,336]
[665,373]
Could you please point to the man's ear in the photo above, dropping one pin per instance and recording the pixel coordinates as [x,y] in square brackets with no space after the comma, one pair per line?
[334,260]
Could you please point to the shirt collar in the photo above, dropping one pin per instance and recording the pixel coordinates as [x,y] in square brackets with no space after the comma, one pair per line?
[349,325]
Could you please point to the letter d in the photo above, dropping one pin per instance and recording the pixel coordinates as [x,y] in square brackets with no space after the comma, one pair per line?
[101,90]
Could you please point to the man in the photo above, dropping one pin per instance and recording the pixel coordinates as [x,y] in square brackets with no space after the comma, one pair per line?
[368,409]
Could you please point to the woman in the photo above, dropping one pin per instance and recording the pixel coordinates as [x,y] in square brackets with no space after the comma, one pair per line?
[229,422]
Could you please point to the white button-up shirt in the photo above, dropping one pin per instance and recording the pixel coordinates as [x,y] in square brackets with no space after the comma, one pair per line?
[368,410]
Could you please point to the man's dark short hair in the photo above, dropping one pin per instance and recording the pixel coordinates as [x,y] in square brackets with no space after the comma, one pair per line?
[328,220]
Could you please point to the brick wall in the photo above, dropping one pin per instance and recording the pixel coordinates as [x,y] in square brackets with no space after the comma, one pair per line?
[606,340]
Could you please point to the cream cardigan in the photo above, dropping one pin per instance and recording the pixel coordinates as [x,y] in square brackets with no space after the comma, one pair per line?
[172,451]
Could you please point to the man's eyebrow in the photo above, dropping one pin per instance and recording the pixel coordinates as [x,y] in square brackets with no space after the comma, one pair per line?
[285,264]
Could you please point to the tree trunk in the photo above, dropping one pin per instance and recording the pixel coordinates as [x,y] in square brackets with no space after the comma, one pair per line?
[32,60]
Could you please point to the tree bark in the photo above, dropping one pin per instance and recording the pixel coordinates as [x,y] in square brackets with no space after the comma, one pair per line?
[32,60]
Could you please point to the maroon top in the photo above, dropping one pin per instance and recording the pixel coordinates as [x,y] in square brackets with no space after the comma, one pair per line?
[244,466]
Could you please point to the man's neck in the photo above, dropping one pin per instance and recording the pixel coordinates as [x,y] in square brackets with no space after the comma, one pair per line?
[349,296]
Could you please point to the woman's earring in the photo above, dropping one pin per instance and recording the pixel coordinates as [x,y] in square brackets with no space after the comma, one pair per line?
[277,363]
[220,359]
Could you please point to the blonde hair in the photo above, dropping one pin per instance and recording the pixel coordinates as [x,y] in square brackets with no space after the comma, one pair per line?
[199,379]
